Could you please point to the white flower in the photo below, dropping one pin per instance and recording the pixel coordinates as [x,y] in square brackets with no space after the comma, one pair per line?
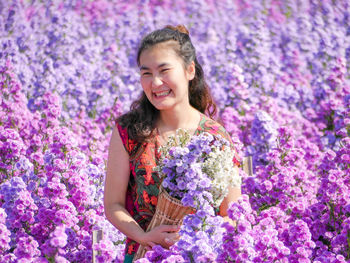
[219,167]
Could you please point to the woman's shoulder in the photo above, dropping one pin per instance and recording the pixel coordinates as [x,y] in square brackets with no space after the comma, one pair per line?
[213,127]
[126,124]
[121,124]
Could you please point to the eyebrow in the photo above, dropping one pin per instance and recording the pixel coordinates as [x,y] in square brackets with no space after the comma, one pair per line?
[159,66]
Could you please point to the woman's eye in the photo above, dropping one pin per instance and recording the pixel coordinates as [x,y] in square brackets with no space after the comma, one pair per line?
[146,74]
[164,70]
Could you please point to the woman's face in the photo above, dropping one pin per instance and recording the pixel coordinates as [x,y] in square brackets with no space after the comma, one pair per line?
[164,78]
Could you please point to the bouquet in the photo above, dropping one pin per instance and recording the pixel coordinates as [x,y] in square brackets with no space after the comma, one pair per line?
[196,172]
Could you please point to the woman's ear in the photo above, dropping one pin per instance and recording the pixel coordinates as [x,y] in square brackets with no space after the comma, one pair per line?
[191,71]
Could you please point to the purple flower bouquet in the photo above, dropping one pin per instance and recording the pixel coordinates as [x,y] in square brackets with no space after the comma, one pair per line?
[196,173]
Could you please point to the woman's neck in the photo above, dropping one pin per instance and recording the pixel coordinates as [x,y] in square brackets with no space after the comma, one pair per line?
[172,120]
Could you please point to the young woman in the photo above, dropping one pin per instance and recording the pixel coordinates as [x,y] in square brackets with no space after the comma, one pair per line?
[174,96]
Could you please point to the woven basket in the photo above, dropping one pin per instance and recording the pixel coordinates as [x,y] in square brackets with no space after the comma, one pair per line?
[169,211]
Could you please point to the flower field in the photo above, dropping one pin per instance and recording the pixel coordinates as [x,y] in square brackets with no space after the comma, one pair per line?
[279,72]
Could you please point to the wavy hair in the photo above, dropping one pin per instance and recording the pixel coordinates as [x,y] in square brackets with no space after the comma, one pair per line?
[140,121]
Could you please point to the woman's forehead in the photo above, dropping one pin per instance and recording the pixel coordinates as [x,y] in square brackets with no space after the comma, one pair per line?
[160,55]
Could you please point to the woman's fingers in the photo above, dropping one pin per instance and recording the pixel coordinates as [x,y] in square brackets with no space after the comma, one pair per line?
[164,235]
[148,248]
[169,228]
[151,244]
[172,239]
[173,236]
[169,241]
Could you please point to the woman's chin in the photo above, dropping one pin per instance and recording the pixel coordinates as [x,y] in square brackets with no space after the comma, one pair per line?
[163,107]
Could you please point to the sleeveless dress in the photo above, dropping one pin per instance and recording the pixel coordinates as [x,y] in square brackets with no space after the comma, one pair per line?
[144,182]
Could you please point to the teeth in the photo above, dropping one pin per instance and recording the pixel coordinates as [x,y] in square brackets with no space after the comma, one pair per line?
[163,93]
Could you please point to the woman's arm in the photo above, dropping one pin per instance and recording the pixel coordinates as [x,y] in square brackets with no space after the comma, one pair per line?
[117,179]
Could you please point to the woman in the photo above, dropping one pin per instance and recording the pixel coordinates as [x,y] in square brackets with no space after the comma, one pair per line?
[174,96]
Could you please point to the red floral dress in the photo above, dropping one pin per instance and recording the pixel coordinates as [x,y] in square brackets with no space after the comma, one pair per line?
[143,187]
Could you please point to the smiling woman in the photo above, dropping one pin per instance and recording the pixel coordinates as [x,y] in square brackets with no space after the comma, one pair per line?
[165,78]
[175,95]
[175,45]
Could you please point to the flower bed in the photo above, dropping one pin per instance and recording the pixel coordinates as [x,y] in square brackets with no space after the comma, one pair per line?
[279,73]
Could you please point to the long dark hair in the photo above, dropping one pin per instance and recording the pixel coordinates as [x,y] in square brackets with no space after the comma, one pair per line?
[140,121]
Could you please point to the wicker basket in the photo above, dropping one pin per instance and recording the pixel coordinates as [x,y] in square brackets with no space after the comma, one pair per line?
[169,211]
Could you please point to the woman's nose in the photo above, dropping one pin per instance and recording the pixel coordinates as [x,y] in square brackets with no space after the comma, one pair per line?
[156,81]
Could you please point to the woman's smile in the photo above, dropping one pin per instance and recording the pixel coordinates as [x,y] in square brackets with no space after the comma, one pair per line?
[161,94]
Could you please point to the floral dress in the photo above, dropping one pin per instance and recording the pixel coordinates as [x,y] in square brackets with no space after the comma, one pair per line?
[144,182]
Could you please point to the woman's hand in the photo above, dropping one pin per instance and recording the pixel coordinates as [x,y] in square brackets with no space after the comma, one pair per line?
[164,235]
